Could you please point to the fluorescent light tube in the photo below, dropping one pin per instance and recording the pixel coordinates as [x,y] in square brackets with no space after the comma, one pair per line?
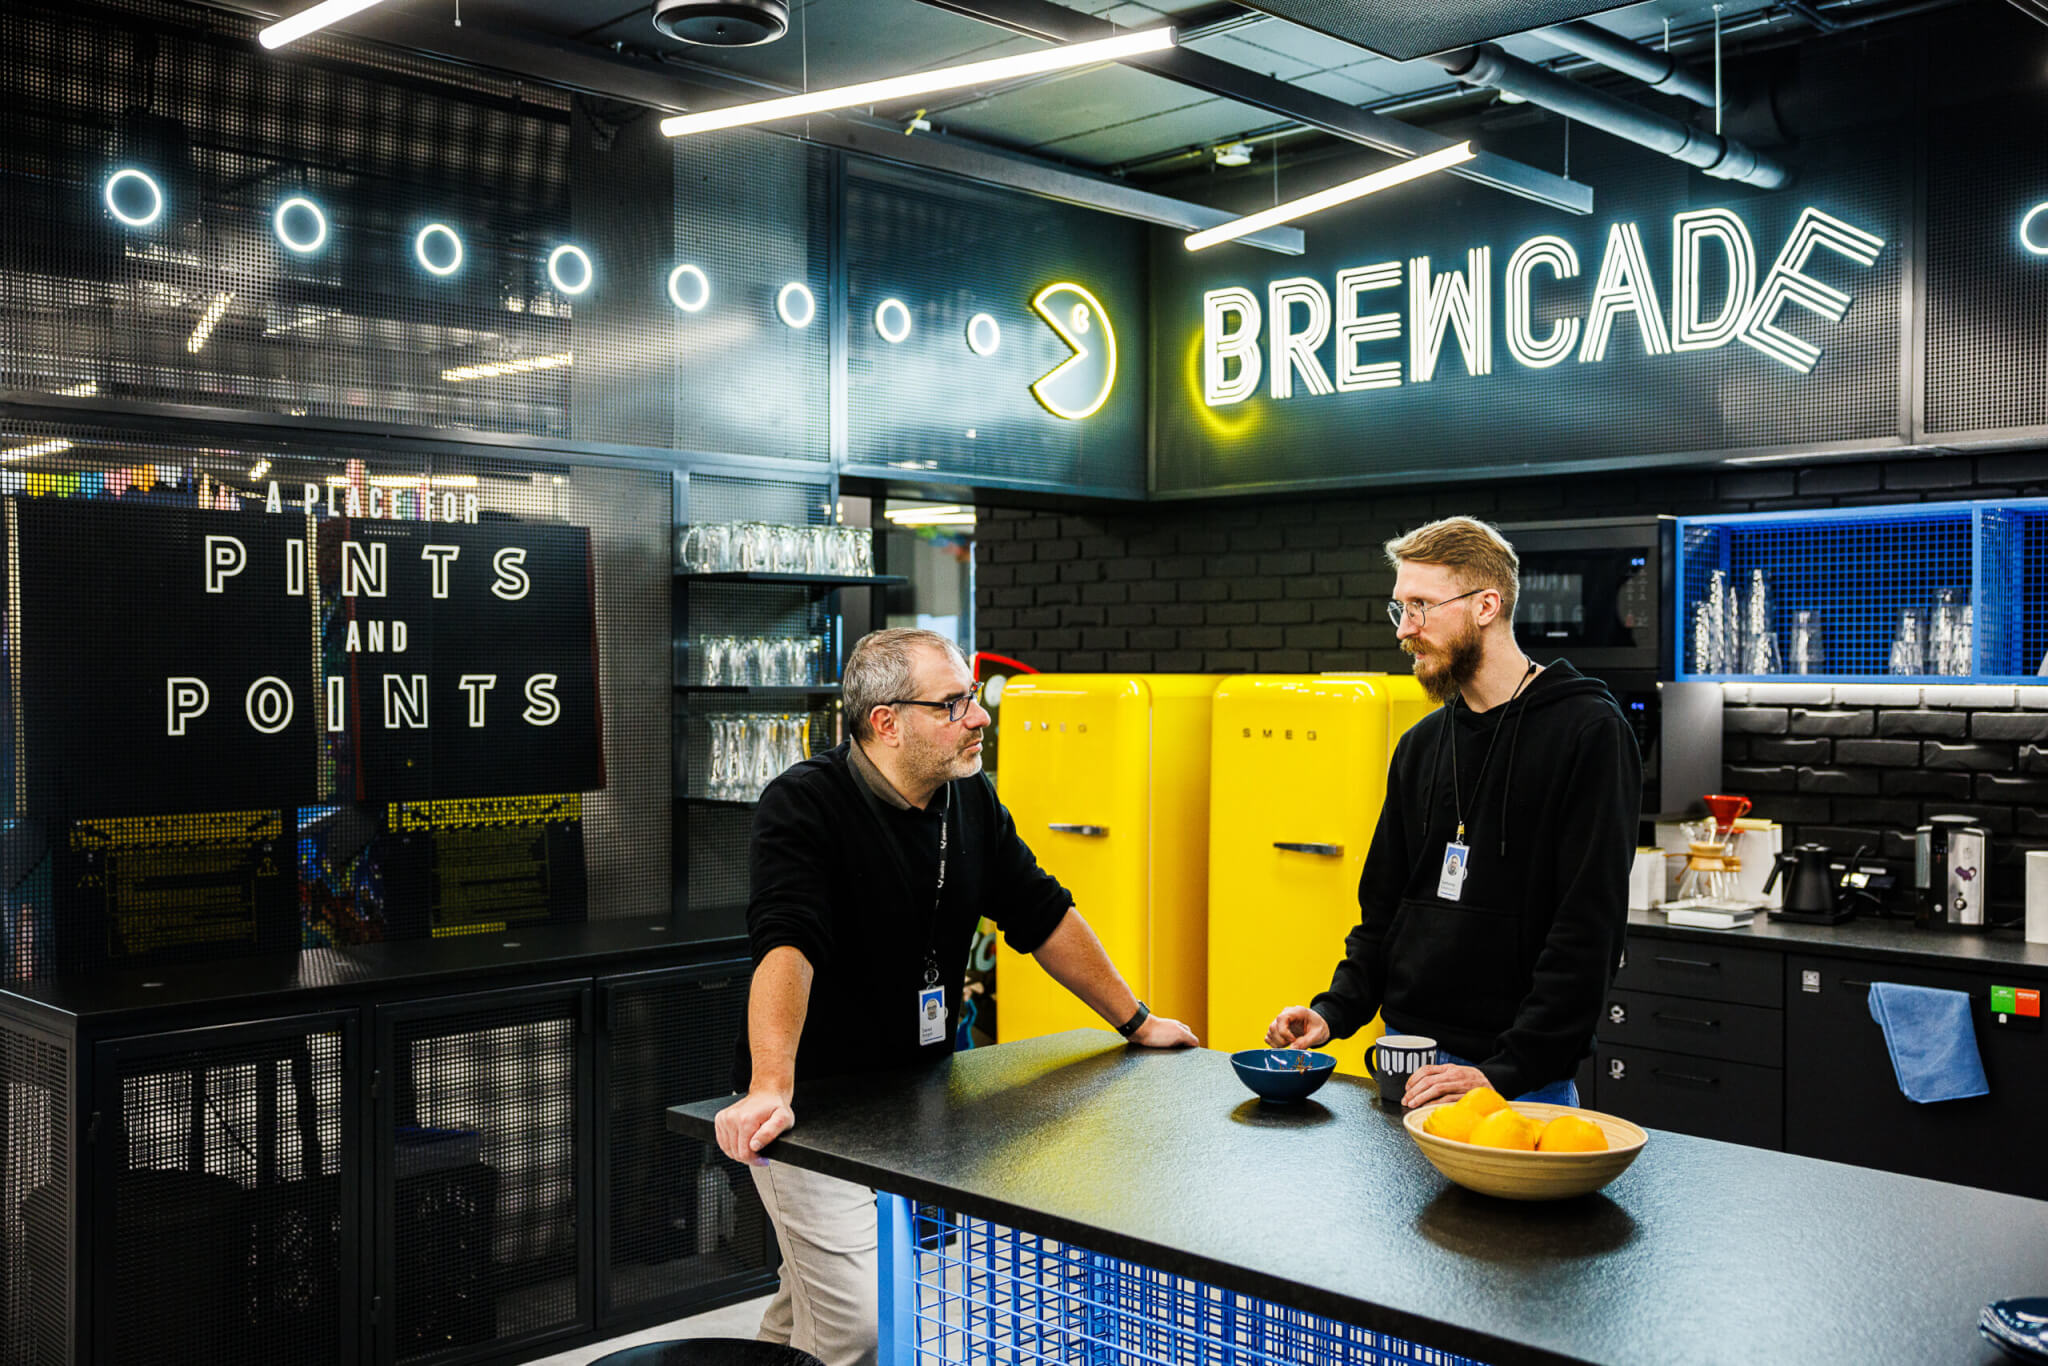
[53,447]
[922,83]
[215,311]
[495,369]
[1335,195]
[311,21]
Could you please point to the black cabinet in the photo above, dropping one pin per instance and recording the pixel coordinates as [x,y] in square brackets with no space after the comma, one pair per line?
[1692,1039]
[1842,1099]
[457,1154]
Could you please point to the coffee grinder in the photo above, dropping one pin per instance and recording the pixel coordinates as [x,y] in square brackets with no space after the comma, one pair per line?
[1951,864]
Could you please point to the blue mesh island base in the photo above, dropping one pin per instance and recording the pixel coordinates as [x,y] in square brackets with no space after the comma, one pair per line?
[956,1289]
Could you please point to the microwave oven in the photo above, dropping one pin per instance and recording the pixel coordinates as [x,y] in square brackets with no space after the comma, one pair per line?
[1600,594]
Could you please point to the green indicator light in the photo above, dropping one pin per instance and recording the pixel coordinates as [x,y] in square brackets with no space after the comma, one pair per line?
[2003,1001]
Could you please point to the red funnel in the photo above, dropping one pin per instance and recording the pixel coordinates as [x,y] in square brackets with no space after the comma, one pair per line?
[1727,810]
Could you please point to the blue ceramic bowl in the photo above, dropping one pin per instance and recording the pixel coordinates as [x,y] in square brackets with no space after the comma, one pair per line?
[1282,1075]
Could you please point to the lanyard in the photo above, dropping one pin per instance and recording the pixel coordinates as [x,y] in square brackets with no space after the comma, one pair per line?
[931,953]
[1457,795]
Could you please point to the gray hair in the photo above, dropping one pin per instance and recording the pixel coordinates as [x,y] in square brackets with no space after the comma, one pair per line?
[881,668]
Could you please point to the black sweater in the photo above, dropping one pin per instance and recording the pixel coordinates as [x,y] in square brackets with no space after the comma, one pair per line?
[854,896]
[1512,974]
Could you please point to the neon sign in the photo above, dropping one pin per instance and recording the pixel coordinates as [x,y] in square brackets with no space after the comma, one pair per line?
[1079,385]
[1281,338]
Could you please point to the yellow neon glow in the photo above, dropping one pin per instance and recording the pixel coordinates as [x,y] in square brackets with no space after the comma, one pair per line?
[495,369]
[1234,423]
[1070,331]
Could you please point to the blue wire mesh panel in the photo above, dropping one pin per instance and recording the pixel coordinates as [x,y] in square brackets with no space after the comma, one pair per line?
[1858,575]
[986,1293]
[2012,571]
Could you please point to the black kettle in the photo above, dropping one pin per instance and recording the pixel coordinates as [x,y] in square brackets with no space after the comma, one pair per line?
[1809,884]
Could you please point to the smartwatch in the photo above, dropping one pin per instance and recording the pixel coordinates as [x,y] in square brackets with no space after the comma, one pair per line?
[1130,1026]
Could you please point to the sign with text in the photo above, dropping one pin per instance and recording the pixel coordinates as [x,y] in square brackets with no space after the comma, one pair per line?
[174,659]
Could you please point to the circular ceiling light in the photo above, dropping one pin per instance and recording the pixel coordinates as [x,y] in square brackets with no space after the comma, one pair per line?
[897,334]
[797,305]
[569,269]
[134,198]
[450,257]
[2034,229]
[312,224]
[695,281]
[983,335]
[722,23]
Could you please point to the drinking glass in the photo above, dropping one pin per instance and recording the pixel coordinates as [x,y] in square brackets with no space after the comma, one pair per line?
[1948,632]
[751,547]
[765,755]
[817,546]
[1806,655]
[719,757]
[1909,654]
[707,548]
[1759,639]
[786,549]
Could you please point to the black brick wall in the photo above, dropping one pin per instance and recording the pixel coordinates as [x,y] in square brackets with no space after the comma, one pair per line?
[1296,585]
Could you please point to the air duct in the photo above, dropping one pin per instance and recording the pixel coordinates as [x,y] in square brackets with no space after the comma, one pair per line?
[1658,70]
[1721,157]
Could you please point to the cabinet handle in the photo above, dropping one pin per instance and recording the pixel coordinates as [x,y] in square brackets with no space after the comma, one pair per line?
[1092,831]
[1685,1078]
[1686,1020]
[1705,965]
[1325,850]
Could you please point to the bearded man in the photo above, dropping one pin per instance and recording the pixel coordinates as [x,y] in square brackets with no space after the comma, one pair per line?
[870,866]
[1495,892]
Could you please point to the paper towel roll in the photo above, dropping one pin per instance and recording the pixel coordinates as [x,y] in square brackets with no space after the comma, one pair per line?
[2037,896]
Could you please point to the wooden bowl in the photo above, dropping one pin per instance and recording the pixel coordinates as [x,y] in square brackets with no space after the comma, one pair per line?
[1514,1175]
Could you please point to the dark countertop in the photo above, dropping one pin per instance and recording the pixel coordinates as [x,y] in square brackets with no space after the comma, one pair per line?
[1891,941]
[1701,1252]
[308,977]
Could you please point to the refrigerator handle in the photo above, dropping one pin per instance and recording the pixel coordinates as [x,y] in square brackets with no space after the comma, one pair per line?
[1326,850]
[1094,831]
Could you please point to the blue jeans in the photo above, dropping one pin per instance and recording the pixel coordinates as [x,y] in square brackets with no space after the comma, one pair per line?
[1564,1092]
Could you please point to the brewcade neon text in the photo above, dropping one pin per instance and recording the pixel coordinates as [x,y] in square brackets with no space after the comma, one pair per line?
[1245,339]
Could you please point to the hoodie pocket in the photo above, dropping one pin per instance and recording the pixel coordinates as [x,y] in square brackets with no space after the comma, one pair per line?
[1454,963]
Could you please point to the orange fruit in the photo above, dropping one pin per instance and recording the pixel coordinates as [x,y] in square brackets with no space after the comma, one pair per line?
[1571,1134]
[1482,1100]
[1454,1121]
[1504,1128]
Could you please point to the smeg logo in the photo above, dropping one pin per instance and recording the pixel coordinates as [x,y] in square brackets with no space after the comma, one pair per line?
[1285,733]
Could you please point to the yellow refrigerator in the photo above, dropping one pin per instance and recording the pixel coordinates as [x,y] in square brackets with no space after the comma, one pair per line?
[1298,772]
[1107,777]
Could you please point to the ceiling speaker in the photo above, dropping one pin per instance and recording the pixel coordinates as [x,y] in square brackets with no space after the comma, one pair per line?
[722,23]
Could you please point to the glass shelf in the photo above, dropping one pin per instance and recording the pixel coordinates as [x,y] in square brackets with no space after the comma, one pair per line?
[799,580]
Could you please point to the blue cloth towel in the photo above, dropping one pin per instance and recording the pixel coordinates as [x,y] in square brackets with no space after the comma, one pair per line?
[1932,1041]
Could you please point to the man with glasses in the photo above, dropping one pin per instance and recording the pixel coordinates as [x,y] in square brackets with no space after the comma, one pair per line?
[1495,892]
[871,866]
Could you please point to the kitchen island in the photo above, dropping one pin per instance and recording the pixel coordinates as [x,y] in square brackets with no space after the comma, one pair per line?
[1700,1252]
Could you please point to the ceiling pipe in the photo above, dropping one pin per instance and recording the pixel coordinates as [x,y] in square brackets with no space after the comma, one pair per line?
[1658,70]
[1721,157]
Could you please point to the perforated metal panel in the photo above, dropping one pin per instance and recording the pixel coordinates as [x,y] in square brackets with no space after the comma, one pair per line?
[230,1197]
[980,1292]
[1987,293]
[2013,577]
[949,251]
[1575,413]
[684,1220]
[356,880]
[36,1231]
[483,1142]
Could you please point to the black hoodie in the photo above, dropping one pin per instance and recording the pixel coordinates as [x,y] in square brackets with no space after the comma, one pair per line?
[1511,974]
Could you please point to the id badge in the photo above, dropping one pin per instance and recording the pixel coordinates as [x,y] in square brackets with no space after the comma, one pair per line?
[931,1016]
[1450,883]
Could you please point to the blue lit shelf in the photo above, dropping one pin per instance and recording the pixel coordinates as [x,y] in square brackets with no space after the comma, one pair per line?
[1860,569]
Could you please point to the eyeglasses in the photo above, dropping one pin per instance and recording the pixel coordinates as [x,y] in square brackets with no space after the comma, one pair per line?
[1398,612]
[954,707]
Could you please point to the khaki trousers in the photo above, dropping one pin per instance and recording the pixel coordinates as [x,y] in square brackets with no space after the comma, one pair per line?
[827,1303]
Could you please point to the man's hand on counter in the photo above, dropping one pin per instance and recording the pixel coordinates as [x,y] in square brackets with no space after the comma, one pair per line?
[1160,1032]
[1297,1027]
[751,1124]
[1441,1081]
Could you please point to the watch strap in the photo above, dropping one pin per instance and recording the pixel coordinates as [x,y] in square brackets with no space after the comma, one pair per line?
[1130,1026]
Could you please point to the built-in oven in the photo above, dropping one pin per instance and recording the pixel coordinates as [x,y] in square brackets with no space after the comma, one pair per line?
[1600,594]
